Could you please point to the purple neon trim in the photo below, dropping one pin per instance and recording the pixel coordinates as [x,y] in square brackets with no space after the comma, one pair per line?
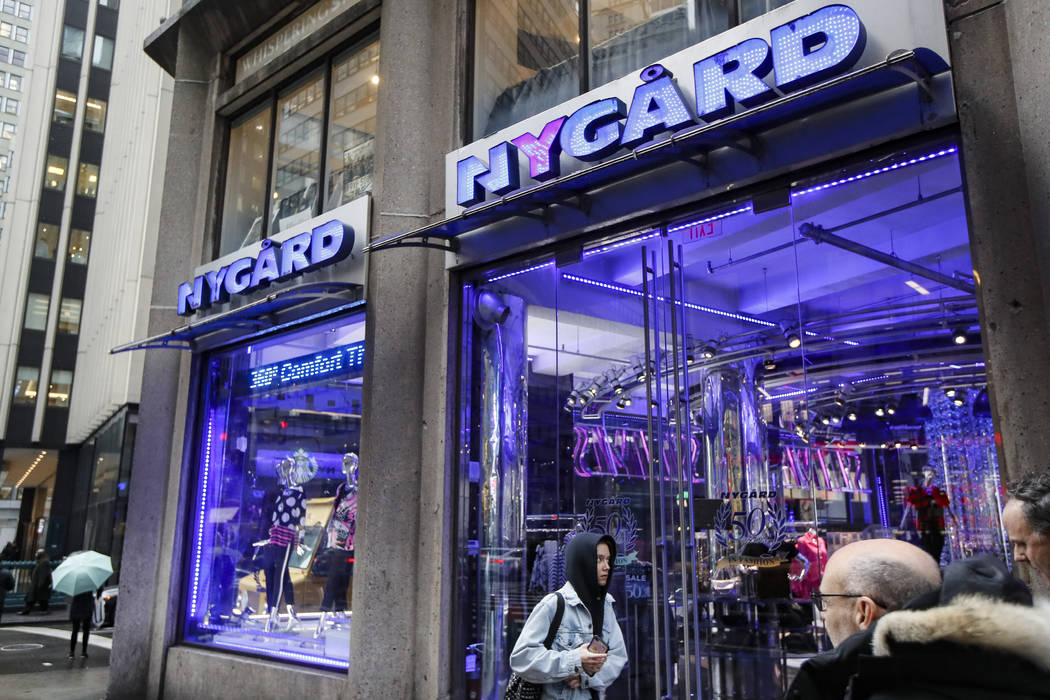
[294,656]
[774,397]
[696,307]
[203,507]
[878,171]
[620,244]
[521,272]
[716,217]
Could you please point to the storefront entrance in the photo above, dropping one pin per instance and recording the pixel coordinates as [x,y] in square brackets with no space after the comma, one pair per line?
[732,394]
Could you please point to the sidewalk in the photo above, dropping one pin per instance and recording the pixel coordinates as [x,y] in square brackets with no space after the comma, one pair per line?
[54,616]
[34,661]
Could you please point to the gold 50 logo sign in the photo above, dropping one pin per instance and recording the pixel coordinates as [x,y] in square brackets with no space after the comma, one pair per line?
[764,523]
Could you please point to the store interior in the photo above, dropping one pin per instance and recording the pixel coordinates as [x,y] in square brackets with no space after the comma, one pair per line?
[809,355]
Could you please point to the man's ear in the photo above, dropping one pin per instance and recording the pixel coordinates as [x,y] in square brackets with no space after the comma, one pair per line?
[866,612]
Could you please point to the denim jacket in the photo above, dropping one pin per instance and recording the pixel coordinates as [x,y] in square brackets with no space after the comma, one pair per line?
[553,666]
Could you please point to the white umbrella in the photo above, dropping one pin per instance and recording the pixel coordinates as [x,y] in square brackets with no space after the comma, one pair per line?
[81,572]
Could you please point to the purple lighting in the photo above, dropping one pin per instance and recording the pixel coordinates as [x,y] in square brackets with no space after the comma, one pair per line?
[542,151]
[878,171]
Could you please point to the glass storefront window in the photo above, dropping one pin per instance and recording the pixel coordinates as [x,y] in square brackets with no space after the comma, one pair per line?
[275,502]
[26,380]
[69,316]
[749,9]
[95,115]
[87,180]
[297,154]
[56,173]
[731,411]
[59,388]
[36,311]
[72,42]
[79,246]
[352,126]
[242,212]
[46,241]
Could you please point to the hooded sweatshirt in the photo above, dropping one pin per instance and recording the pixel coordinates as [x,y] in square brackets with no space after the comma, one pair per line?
[581,569]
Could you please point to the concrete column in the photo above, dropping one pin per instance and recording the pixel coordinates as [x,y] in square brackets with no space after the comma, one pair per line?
[150,576]
[999,54]
[401,598]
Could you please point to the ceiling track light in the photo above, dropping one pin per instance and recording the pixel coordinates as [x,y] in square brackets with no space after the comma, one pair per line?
[770,363]
[950,393]
[880,411]
[959,336]
[709,351]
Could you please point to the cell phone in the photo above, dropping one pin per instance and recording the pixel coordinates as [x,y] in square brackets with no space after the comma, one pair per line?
[597,646]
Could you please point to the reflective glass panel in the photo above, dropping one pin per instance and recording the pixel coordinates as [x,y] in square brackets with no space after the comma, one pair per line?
[102,56]
[36,311]
[79,246]
[95,115]
[69,316]
[58,390]
[56,173]
[87,180]
[351,131]
[275,503]
[297,154]
[245,198]
[628,36]
[72,42]
[26,379]
[749,9]
[526,59]
[46,241]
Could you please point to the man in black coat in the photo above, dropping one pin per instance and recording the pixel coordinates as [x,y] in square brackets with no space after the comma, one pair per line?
[979,637]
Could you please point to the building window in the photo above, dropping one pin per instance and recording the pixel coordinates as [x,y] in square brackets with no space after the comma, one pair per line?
[95,115]
[529,53]
[18,58]
[277,461]
[10,7]
[749,9]
[87,180]
[65,107]
[5,54]
[250,209]
[115,4]
[8,131]
[59,388]
[12,105]
[25,10]
[55,177]
[36,312]
[26,380]
[69,316]
[72,42]
[102,56]
[79,246]
[6,29]
[46,241]
[22,35]
[14,82]
[5,160]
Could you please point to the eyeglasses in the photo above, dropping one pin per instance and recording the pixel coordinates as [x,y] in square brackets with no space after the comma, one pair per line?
[822,605]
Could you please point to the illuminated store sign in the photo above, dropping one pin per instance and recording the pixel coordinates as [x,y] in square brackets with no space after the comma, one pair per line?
[324,245]
[799,53]
[308,367]
[320,242]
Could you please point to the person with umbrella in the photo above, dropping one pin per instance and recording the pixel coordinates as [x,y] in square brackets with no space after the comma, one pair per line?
[79,576]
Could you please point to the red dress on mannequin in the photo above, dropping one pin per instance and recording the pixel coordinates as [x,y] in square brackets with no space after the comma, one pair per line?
[813,547]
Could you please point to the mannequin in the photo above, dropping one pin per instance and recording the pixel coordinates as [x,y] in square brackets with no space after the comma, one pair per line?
[925,508]
[812,548]
[339,540]
[286,524]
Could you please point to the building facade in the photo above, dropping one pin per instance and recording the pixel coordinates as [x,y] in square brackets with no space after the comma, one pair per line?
[78,243]
[443,284]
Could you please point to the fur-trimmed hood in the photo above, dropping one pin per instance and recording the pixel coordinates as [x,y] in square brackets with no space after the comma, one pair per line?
[974,621]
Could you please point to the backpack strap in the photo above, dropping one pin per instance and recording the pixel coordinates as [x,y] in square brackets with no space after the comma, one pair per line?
[556,622]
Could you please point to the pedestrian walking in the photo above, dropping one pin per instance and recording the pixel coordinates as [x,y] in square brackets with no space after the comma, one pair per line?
[81,608]
[40,584]
[7,584]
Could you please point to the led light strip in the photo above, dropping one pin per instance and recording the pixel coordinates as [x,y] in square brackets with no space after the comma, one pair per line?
[716,217]
[689,305]
[620,244]
[788,394]
[521,272]
[29,471]
[294,656]
[878,171]
[200,519]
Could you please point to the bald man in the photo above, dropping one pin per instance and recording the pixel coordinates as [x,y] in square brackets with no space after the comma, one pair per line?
[862,582]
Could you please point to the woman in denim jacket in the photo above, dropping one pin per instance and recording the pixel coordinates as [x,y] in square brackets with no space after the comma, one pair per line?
[574,668]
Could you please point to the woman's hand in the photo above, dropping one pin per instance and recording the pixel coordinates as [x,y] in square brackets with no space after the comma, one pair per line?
[591,662]
[573,681]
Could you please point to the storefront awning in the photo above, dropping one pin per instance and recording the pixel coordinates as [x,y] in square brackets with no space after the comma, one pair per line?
[263,315]
[740,131]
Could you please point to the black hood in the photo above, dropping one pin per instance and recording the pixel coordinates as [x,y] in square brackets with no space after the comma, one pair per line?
[984,575]
[581,569]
